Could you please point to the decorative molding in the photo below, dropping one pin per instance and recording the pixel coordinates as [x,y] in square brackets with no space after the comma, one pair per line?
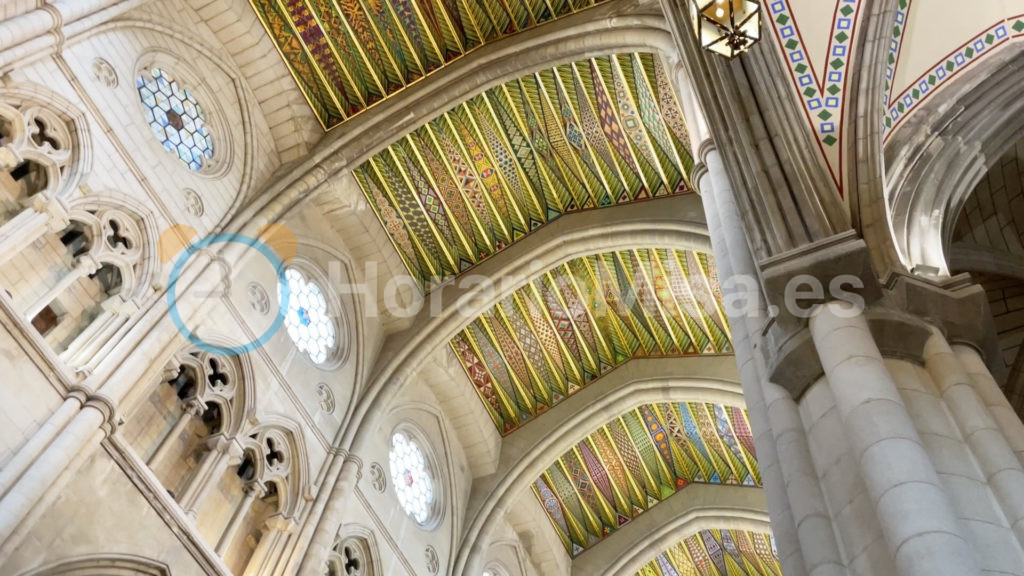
[378,480]
[938,75]
[259,301]
[104,73]
[194,203]
[433,563]
[327,403]
[823,98]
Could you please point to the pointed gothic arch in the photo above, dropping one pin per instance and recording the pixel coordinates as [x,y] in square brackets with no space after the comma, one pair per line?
[103,565]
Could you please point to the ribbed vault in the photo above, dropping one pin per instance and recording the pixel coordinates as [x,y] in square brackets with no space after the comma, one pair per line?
[592,133]
[347,56]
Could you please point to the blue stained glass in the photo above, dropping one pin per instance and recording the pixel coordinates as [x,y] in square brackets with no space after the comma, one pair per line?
[184,133]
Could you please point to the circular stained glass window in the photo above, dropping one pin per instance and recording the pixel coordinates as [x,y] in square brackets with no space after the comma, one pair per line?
[411,478]
[175,118]
[307,319]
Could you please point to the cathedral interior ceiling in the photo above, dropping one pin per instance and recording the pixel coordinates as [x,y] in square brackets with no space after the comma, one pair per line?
[639,459]
[578,321]
[927,49]
[718,553]
[583,135]
[347,55]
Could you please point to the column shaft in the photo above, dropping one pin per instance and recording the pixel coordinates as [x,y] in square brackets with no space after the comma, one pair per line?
[330,520]
[236,520]
[917,518]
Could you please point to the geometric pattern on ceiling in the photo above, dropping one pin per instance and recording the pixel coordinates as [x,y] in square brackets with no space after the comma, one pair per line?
[473,181]
[347,55]
[578,321]
[638,460]
[718,553]
[822,92]
[987,41]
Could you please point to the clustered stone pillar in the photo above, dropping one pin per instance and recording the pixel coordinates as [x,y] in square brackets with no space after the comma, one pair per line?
[191,408]
[901,456]
[800,518]
[331,519]
[916,517]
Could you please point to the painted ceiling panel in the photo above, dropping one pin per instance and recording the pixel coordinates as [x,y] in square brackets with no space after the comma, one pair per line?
[818,64]
[718,553]
[347,55]
[640,459]
[580,320]
[478,178]
[928,48]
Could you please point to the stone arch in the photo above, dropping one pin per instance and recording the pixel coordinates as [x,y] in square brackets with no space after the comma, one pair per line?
[936,158]
[354,542]
[607,28]
[527,454]
[103,565]
[238,403]
[629,549]
[403,417]
[675,222]
[65,154]
[277,434]
[252,171]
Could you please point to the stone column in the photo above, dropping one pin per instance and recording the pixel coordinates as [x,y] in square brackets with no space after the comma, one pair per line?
[331,519]
[84,266]
[211,468]
[43,216]
[992,396]
[916,516]
[268,552]
[800,517]
[986,440]
[84,432]
[252,492]
[191,408]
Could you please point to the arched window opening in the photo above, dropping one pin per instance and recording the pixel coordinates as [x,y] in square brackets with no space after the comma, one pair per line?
[350,556]
[176,118]
[80,283]
[182,428]
[267,478]
[308,319]
[413,476]
[36,157]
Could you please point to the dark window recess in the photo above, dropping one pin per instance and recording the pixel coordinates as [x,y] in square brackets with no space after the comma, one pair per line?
[45,321]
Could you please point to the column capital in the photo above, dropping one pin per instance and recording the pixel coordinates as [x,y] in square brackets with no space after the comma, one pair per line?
[88,264]
[193,406]
[9,158]
[706,147]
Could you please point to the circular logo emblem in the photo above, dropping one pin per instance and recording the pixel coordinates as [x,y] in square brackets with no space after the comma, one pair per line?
[172,294]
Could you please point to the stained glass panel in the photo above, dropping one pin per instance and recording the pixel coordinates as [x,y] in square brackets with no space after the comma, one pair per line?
[175,118]
[307,319]
[411,478]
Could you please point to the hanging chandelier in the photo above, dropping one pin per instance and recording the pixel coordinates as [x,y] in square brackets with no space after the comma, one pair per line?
[726,27]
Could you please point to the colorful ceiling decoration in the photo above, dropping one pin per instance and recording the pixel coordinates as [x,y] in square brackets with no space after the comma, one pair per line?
[347,55]
[817,52]
[907,85]
[576,322]
[478,178]
[718,553]
[640,459]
